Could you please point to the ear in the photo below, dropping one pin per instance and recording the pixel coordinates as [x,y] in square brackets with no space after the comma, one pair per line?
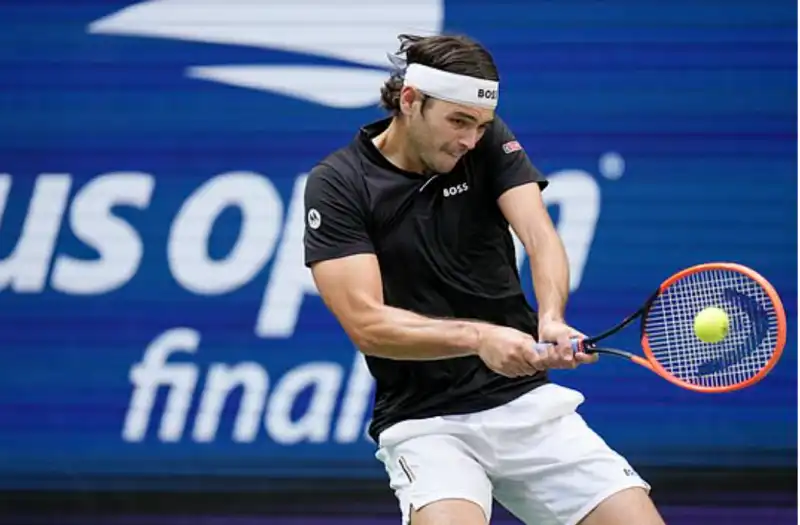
[409,97]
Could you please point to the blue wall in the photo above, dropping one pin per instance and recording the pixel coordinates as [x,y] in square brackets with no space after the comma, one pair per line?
[668,130]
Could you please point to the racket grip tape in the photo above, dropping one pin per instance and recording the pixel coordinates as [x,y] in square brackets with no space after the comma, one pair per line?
[577,346]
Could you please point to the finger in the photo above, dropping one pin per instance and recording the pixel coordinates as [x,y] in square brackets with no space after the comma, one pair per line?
[532,364]
[556,358]
[566,352]
[577,334]
[553,358]
[516,368]
[583,358]
[505,371]
[564,339]
[565,347]
[536,359]
[517,365]
[562,355]
[566,358]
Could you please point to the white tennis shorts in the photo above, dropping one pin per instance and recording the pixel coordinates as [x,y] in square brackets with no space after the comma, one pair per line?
[535,455]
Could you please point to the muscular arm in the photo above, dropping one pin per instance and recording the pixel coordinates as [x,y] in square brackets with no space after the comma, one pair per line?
[351,288]
[525,211]
[518,186]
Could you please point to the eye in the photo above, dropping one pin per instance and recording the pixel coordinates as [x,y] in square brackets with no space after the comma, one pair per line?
[459,122]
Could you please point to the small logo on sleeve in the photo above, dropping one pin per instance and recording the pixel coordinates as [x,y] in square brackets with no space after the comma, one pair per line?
[314,219]
[512,146]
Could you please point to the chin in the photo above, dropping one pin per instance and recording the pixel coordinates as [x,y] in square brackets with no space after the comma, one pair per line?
[445,166]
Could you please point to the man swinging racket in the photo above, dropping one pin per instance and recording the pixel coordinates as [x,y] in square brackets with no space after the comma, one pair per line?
[407,236]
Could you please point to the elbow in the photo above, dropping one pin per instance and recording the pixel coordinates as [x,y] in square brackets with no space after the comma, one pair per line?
[362,339]
[367,334]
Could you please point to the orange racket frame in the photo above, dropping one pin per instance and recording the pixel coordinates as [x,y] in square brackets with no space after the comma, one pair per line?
[652,363]
[649,361]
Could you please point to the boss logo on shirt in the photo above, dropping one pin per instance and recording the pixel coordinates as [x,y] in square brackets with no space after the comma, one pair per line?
[455,190]
[489,94]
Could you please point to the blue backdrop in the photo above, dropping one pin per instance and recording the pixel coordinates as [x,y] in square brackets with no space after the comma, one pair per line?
[156,316]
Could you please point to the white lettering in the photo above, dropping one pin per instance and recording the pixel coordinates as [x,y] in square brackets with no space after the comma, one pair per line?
[455,190]
[221,380]
[151,373]
[314,425]
[93,222]
[321,380]
[187,251]
[290,281]
[25,270]
[5,189]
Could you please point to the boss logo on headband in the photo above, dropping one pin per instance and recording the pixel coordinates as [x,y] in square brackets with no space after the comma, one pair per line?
[489,94]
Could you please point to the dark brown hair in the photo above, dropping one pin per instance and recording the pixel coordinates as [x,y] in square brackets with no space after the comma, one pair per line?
[454,54]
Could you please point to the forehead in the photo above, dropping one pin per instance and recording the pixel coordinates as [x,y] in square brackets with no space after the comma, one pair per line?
[479,115]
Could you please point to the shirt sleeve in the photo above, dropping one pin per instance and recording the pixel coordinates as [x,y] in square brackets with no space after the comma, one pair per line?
[335,217]
[507,163]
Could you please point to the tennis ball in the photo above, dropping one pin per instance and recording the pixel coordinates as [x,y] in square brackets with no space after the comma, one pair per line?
[711,325]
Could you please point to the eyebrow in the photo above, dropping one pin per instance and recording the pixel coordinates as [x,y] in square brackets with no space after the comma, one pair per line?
[467,116]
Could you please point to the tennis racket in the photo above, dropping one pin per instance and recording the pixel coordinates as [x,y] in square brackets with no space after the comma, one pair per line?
[751,348]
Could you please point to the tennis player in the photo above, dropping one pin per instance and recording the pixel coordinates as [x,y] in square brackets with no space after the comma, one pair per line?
[407,237]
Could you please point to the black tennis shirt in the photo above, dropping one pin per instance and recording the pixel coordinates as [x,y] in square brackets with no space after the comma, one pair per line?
[445,251]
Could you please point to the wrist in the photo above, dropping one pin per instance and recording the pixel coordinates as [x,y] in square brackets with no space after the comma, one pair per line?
[479,331]
[550,317]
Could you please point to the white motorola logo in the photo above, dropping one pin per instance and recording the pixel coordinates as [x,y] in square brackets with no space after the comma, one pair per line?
[314,219]
[358,31]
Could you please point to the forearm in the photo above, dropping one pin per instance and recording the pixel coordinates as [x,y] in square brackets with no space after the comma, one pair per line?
[550,274]
[394,333]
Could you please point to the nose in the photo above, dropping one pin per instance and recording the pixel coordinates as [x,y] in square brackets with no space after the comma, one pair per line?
[469,138]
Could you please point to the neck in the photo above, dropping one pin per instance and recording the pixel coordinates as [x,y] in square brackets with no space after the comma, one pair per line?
[393,144]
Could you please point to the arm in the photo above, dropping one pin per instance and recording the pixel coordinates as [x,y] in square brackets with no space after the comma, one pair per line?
[526,213]
[517,186]
[351,288]
[340,253]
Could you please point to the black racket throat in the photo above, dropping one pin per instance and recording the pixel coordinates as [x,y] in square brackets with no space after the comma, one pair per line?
[608,351]
[589,345]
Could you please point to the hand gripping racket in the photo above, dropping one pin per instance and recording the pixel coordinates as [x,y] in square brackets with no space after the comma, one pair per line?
[753,345]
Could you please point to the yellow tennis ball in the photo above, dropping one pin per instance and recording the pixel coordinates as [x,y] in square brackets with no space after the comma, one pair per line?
[711,325]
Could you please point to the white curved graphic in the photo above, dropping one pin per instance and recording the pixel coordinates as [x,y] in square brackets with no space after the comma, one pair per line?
[336,87]
[357,31]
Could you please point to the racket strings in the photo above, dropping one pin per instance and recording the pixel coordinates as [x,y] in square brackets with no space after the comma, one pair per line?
[742,354]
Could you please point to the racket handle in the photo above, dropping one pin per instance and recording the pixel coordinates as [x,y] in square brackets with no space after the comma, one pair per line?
[577,346]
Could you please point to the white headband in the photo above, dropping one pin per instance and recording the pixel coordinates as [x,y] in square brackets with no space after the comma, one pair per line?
[451,87]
